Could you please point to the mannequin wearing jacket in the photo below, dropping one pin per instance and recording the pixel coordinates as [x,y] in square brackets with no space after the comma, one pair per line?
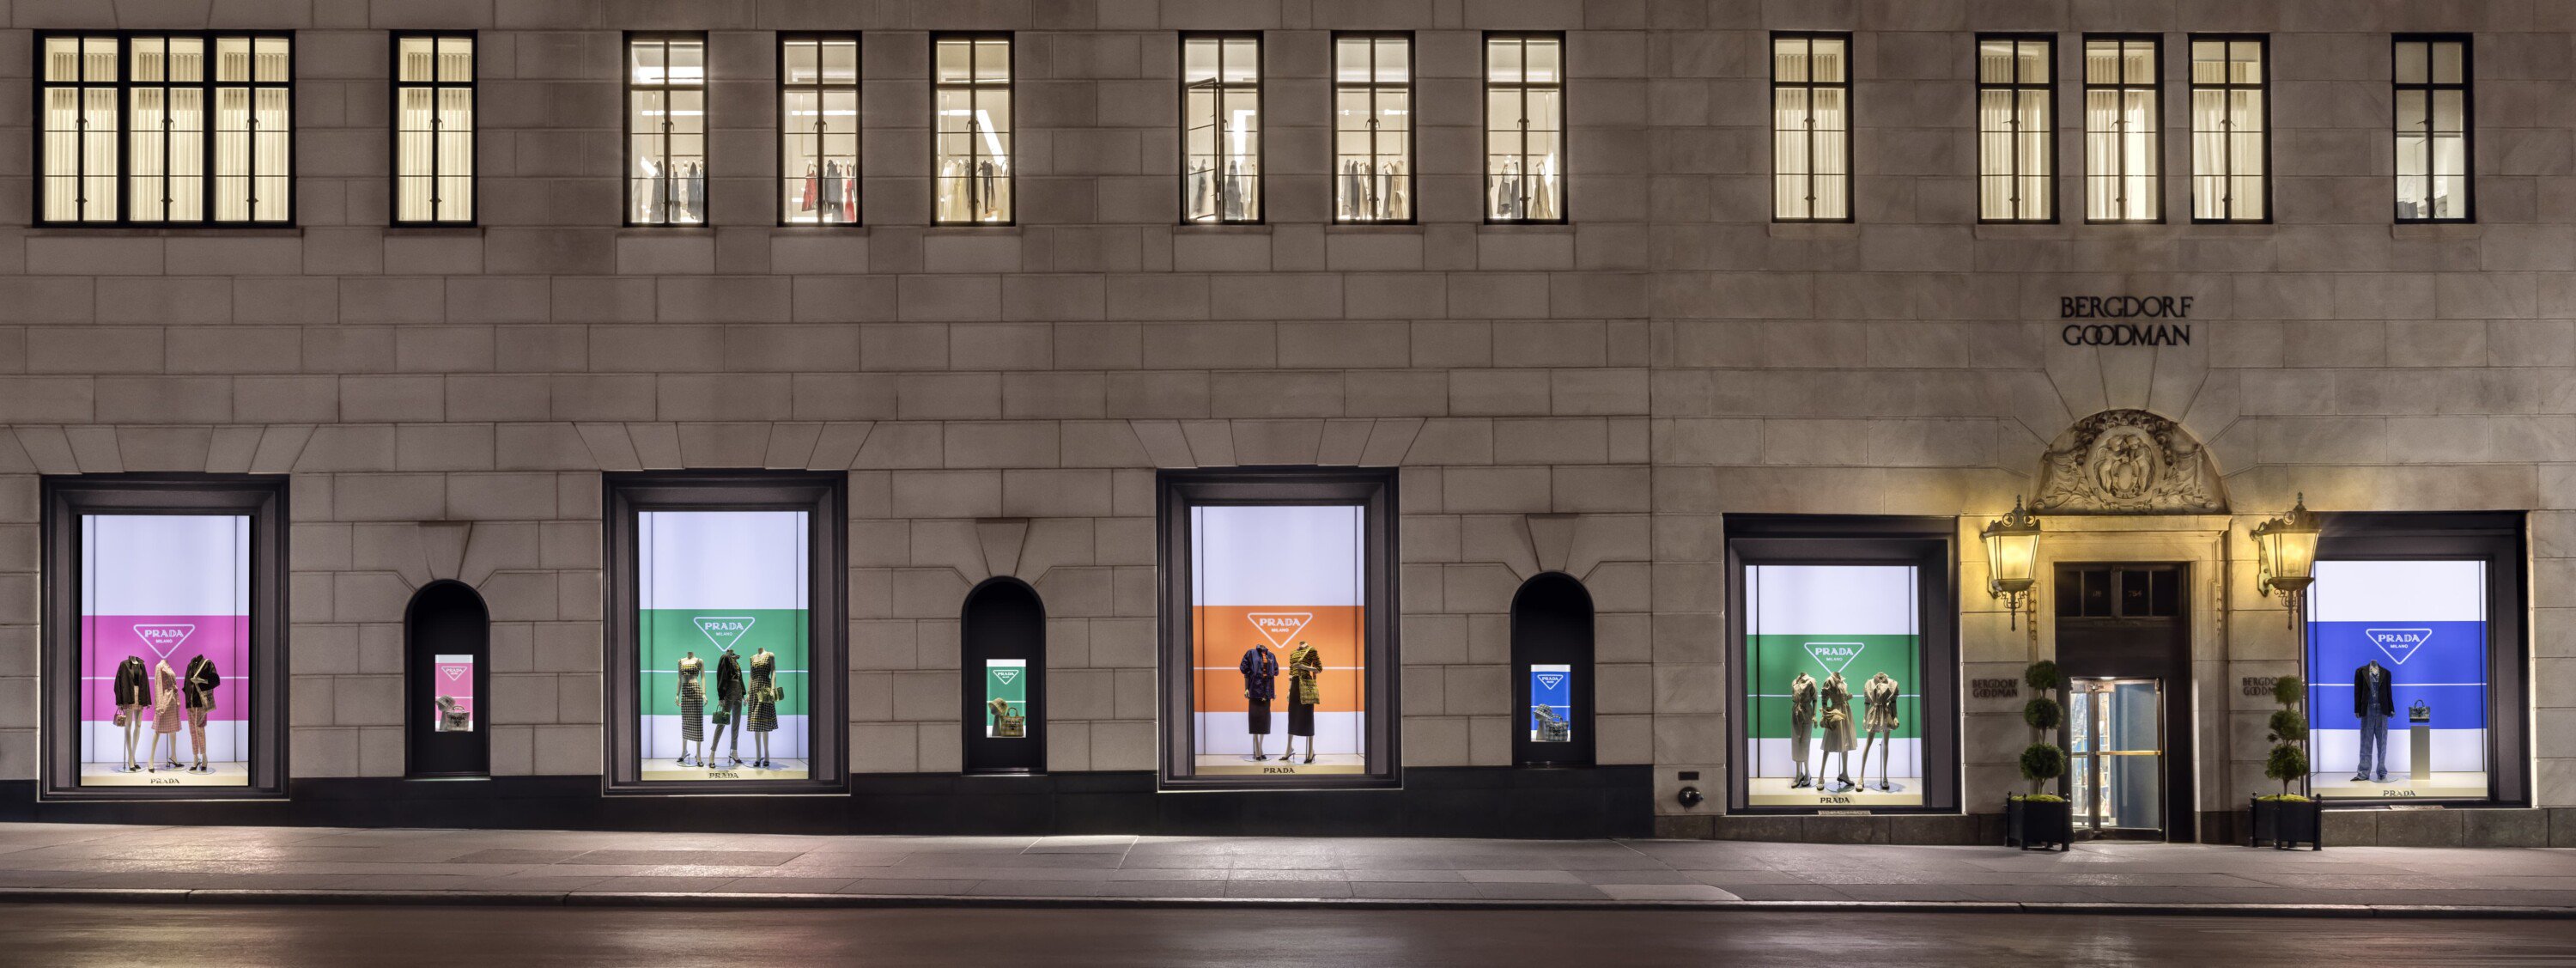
[1878,720]
[133,693]
[1802,726]
[1838,725]
[1305,692]
[1260,682]
[199,693]
[729,693]
[167,712]
[2372,704]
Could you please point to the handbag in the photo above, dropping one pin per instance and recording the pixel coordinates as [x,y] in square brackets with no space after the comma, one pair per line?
[721,717]
[120,717]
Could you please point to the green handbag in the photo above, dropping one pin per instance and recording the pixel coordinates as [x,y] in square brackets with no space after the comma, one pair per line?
[721,717]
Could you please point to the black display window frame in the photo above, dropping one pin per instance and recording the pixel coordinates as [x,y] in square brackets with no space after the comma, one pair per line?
[824,496]
[65,500]
[1931,545]
[2498,537]
[1374,490]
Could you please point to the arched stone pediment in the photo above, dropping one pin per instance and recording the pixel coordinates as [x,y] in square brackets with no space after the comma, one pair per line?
[2128,462]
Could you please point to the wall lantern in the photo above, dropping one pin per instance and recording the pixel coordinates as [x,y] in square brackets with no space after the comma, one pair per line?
[2012,559]
[2285,557]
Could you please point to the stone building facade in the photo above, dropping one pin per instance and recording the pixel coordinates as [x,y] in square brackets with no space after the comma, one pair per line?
[1596,398]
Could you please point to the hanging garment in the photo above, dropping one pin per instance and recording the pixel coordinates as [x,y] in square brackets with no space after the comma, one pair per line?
[850,194]
[697,192]
[805,202]
[648,209]
[168,707]
[831,191]
[693,699]
[1545,209]
[990,204]
[1396,206]
[763,713]
[1840,733]
[1878,704]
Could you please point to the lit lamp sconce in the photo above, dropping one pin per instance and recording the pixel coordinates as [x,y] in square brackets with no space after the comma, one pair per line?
[2012,560]
[2285,557]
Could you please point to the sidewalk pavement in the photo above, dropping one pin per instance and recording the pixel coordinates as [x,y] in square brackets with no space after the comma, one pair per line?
[89,862]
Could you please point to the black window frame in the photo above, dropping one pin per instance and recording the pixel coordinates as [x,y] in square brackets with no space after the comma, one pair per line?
[1931,545]
[824,496]
[2467,86]
[1372,489]
[1261,136]
[1374,87]
[2018,87]
[2501,539]
[2155,140]
[859,129]
[394,87]
[2191,90]
[626,111]
[210,134]
[1851,118]
[262,497]
[1010,90]
[1564,122]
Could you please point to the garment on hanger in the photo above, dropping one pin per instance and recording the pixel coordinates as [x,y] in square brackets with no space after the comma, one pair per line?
[991,203]
[697,192]
[850,193]
[1545,207]
[805,202]
[763,713]
[693,699]
[831,191]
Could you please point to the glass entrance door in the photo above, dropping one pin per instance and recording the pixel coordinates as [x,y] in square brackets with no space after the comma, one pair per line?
[2115,737]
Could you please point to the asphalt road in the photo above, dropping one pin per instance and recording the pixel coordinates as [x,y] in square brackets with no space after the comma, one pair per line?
[283,936]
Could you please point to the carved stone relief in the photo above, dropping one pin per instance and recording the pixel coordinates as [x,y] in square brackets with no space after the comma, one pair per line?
[2128,462]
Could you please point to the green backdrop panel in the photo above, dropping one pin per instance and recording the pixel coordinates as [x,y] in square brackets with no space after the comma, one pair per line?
[667,634]
[1777,660]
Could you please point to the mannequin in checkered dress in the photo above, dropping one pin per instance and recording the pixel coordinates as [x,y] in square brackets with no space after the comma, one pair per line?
[763,715]
[693,707]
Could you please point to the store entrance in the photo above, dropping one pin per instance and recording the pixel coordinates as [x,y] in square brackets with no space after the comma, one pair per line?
[2124,645]
[2116,757]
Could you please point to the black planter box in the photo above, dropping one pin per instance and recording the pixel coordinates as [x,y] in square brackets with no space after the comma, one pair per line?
[2287,823]
[2038,824]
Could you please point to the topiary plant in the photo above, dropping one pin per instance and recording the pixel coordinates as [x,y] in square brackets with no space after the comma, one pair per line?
[2042,762]
[2289,734]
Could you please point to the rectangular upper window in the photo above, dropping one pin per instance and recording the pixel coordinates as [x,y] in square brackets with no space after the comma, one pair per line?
[2123,130]
[818,129]
[1221,127]
[971,140]
[666,129]
[2433,132]
[2231,129]
[1811,127]
[434,129]
[158,129]
[1372,128]
[2017,129]
[1524,127]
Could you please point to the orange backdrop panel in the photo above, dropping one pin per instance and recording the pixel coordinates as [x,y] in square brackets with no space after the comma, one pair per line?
[1220,633]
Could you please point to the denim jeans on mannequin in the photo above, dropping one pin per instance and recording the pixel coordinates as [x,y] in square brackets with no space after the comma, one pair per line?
[2374,740]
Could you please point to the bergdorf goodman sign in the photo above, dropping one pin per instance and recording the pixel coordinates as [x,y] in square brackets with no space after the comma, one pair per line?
[2125,307]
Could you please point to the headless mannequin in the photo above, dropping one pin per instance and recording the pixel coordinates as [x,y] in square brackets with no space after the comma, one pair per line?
[1255,661]
[165,688]
[731,708]
[134,706]
[1310,668]
[760,741]
[1837,701]
[1878,697]
[688,756]
[1802,726]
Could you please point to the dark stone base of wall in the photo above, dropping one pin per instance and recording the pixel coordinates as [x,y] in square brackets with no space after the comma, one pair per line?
[1607,801]
[2496,827]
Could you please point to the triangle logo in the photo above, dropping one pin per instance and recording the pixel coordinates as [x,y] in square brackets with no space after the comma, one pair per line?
[1006,676]
[1280,628]
[724,630]
[2400,644]
[1835,656]
[455,673]
[164,638]
[1550,679]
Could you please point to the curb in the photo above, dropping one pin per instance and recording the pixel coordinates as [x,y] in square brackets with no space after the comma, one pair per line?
[611,899]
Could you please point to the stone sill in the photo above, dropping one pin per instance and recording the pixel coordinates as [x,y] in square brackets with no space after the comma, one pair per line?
[1373,228]
[1222,228]
[665,231]
[818,231]
[1815,230]
[934,231]
[434,231]
[141,232]
[1525,228]
[2436,230]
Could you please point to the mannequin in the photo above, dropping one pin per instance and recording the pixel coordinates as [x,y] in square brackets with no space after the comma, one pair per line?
[693,710]
[2372,704]
[167,711]
[1838,731]
[729,693]
[1260,682]
[199,694]
[1802,727]
[1878,718]
[1305,667]
[133,693]
[764,706]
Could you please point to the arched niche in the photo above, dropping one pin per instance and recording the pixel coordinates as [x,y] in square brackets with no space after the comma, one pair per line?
[1552,667]
[1002,641]
[447,686]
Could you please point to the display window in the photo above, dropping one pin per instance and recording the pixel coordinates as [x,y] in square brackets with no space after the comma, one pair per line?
[971,129]
[434,129]
[666,129]
[818,129]
[1525,128]
[729,675]
[2410,694]
[1280,635]
[166,128]
[161,675]
[1846,675]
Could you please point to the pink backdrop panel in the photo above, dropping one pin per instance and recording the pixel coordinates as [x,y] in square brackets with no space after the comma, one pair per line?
[107,639]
